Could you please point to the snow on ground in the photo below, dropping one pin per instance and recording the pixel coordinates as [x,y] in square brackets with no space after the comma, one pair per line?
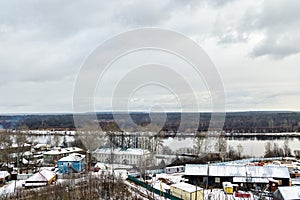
[112,166]
[10,187]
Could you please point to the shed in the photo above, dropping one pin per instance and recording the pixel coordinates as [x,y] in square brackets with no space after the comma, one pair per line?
[186,191]
[39,179]
[237,173]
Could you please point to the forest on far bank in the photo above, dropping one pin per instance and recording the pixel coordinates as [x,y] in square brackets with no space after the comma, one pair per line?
[262,121]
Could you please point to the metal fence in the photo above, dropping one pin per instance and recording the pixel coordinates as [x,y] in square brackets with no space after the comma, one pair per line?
[152,189]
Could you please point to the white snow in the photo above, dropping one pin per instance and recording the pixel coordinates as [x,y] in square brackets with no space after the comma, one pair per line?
[121,151]
[237,170]
[10,187]
[74,157]
[44,175]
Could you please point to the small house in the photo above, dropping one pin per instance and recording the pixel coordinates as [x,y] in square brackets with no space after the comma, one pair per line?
[54,155]
[40,179]
[186,191]
[73,163]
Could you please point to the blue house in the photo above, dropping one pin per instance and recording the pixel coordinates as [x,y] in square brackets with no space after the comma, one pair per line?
[73,163]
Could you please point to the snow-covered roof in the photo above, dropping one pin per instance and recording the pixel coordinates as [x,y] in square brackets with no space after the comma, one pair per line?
[249,180]
[39,145]
[237,171]
[43,176]
[24,161]
[51,132]
[120,151]
[174,167]
[288,192]
[3,174]
[195,169]
[74,157]
[112,166]
[73,149]
[63,151]
[25,145]
[35,184]
[186,187]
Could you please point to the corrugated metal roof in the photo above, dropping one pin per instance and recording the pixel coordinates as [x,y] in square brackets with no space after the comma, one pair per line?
[194,169]
[237,171]
[250,180]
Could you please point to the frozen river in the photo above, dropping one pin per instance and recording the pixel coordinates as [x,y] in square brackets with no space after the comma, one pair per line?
[251,147]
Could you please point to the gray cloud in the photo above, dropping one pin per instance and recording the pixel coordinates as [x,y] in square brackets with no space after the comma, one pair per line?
[43,44]
[280,21]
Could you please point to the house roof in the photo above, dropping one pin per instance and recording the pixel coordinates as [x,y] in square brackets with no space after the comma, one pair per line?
[35,184]
[174,167]
[237,170]
[120,151]
[43,176]
[288,192]
[63,151]
[186,187]
[74,157]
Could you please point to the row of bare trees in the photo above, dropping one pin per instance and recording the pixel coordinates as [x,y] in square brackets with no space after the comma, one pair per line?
[274,150]
[202,146]
[102,186]
[9,152]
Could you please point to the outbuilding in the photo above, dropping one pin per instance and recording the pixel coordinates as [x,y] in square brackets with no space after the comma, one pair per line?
[216,174]
[186,191]
[40,179]
[71,163]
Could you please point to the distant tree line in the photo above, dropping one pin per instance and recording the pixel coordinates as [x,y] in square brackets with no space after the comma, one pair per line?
[234,122]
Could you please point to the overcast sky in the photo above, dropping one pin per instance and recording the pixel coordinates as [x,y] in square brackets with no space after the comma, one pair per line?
[255,45]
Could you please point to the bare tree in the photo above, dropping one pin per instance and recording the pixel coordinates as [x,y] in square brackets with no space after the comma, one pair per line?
[92,138]
[268,149]
[199,142]
[286,149]
[56,140]
[240,150]
[221,146]
[6,142]
[297,153]
[21,140]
